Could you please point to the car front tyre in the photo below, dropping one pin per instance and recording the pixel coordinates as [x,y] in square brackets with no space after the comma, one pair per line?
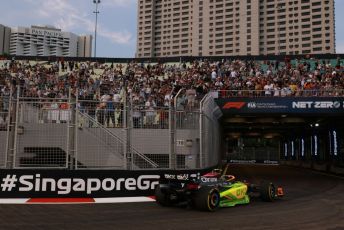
[267,191]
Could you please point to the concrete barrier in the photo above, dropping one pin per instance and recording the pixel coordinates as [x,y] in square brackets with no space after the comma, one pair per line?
[329,168]
[337,170]
[320,167]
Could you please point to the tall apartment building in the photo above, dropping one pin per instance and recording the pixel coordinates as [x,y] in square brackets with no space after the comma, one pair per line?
[85,46]
[45,41]
[234,27]
[5,33]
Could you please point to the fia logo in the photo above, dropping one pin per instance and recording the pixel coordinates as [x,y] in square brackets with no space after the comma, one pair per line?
[252,105]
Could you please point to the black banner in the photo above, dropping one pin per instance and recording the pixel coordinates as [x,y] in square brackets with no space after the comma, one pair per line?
[283,105]
[83,184]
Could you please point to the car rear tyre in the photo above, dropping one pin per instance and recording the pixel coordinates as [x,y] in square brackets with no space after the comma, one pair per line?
[267,191]
[162,198]
[206,199]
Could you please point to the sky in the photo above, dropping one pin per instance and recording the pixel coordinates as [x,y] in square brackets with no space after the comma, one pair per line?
[117,21]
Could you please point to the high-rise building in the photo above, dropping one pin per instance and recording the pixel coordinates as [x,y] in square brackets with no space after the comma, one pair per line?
[45,41]
[85,46]
[5,33]
[234,27]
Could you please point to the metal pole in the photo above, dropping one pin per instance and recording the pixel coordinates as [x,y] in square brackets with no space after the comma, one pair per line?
[96,25]
[130,130]
[125,128]
[9,129]
[16,129]
[173,130]
[176,97]
[201,131]
[68,141]
[76,125]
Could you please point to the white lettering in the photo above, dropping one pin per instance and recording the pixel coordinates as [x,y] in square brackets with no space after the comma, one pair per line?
[323,105]
[302,105]
[45,182]
[28,184]
[108,184]
[79,185]
[93,184]
[67,185]
[118,183]
[130,184]
[38,182]
[64,186]
[144,182]
[316,105]
[46,33]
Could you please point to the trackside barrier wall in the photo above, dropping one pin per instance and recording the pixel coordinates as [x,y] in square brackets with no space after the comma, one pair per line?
[85,183]
[324,167]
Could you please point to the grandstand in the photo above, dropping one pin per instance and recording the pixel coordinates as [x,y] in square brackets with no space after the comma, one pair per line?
[144,114]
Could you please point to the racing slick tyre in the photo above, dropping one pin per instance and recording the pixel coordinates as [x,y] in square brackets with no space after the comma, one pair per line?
[267,191]
[162,198]
[206,199]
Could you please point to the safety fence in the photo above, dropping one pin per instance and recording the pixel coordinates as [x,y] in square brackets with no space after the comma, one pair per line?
[69,133]
[4,132]
[41,133]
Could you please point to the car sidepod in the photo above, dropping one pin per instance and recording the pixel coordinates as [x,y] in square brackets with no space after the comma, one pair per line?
[234,194]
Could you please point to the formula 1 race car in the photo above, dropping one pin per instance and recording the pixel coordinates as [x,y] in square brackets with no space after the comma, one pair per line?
[211,191]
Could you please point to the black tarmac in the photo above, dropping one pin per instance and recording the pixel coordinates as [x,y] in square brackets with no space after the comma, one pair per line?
[312,201]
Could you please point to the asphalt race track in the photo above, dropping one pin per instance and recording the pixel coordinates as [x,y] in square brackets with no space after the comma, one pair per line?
[313,201]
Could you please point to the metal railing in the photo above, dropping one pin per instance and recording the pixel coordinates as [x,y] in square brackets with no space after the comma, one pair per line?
[41,134]
[111,139]
[79,134]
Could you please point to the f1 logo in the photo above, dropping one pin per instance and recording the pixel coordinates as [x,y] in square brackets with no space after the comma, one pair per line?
[234,105]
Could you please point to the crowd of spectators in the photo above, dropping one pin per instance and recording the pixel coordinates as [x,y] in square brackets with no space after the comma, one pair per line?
[151,86]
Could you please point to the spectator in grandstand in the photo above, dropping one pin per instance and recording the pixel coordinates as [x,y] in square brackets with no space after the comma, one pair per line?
[268,88]
[101,112]
[137,116]
[150,112]
[191,98]
[5,94]
[120,111]
[110,111]
[3,121]
[157,84]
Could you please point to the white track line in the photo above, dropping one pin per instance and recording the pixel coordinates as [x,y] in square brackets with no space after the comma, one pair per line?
[96,200]
[123,200]
[13,201]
